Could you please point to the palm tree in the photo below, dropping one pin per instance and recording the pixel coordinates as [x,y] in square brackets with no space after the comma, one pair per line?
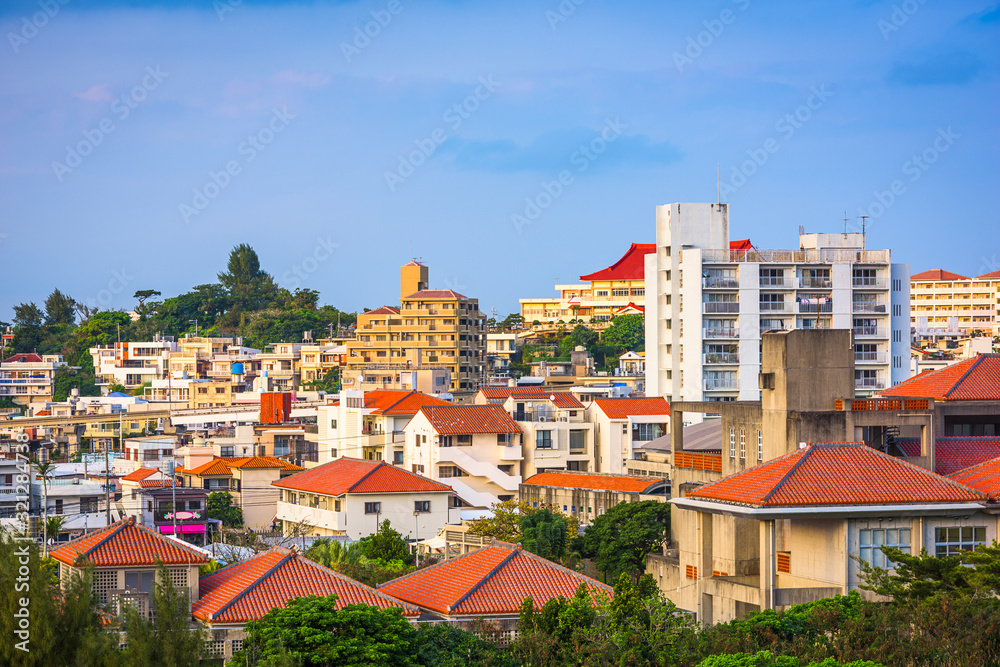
[44,469]
[54,526]
[332,553]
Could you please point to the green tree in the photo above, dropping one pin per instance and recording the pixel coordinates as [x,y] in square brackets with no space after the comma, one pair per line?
[620,539]
[445,645]
[505,522]
[313,632]
[28,331]
[220,506]
[767,659]
[387,544]
[924,576]
[334,553]
[247,284]
[59,309]
[544,533]
[173,639]
[627,332]
[143,310]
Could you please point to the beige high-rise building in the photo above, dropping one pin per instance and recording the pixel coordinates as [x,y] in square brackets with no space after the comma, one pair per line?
[430,329]
[947,305]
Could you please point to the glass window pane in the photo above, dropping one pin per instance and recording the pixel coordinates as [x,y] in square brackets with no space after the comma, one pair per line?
[879,559]
[953,534]
[966,533]
[939,534]
[980,534]
[866,554]
[904,536]
[866,537]
[878,537]
[940,551]
[890,536]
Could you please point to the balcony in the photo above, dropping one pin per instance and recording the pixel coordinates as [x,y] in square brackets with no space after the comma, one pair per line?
[510,452]
[877,357]
[721,307]
[869,332]
[868,307]
[722,358]
[722,384]
[774,282]
[812,282]
[720,282]
[867,282]
[727,332]
[869,383]
[816,307]
[775,307]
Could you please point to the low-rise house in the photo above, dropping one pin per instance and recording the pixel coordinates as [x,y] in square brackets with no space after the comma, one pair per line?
[588,495]
[353,497]
[490,584]
[623,424]
[248,590]
[556,434]
[133,484]
[178,511]
[983,477]
[28,378]
[125,557]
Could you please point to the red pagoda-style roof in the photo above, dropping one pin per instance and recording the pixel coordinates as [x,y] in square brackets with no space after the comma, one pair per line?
[629,267]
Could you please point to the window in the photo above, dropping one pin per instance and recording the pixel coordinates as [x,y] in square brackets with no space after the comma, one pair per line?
[140,582]
[194,505]
[281,446]
[543,439]
[59,506]
[873,539]
[732,443]
[333,452]
[450,471]
[743,444]
[953,541]
[417,468]
[464,440]
[421,506]
[373,508]
[647,432]
[760,446]
[446,441]
[333,423]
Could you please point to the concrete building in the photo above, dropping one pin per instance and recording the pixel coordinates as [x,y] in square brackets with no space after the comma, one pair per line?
[500,349]
[588,495]
[949,306]
[28,378]
[623,424]
[353,497]
[711,299]
[131,364]
[604,293]
[431,328]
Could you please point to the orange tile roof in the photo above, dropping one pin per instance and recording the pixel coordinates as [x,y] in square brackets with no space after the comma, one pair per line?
[976,379]
[158,483]
[984,477]
[384,310]
[623,408]
[253,462]
[588,481]
[214,467]
[504,392]
[835,474]
[394,402]
[246,591]
[140,474]
[436,294]
[630,306]
[124,544]
[937,274]
[566,401]
[954,453]
[631,266]
[492,581]
[349,475]
[992,275]
[466,419]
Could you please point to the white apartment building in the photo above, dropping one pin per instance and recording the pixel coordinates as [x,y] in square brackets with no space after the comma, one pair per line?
[28,378]
[945,305]
[712,302]
[130,364]
[621,424]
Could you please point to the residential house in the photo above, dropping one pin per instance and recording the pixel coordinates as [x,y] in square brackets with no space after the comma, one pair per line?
[125,557]
[176,511]
[500,349]
[297,442]
[133,484]
[210,393]
[490,583]
[556,434]
[28,378]
[631,364]
[131,364]
[623,424]
[710,349]
[587,495]
[278,367]
[246,591]
[353,496]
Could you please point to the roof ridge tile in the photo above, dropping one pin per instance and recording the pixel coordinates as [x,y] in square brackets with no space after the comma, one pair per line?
[479,584]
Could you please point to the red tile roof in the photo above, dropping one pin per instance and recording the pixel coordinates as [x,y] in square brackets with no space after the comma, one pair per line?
[163,482]
[466,419]
[623,408]
[124,544]
[568,401]
[492,581]
[504,392]
[630,306]
[397,402]
[213,467]
[139,474]
[348,475]
[24,358]
[253,462]
[976,379]
[436,294]
[937,274]
[384,310]
[992,275]
[984,477]
[743,244]
[955,453]
[566,480]
[835,474]
[246,591]
[630,267]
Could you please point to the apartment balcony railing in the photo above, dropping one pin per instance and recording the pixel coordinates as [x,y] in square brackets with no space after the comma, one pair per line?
[869,357]
[775,307]
[867,282]
[869,383]
[815,307]
[722,358]
[869,332]
[807,281]
[721,384]
[721,307]
[769,327]
[868,307]
[726,332]
[720,282]
[824,256]
[769,282]
[28,381]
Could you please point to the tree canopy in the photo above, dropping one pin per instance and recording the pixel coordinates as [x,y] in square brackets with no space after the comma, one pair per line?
[620,539]
[220,506]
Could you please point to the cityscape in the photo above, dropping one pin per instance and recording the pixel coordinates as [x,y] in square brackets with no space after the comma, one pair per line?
[539,385]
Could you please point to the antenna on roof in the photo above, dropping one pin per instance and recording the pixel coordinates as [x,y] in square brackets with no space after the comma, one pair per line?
[845,223]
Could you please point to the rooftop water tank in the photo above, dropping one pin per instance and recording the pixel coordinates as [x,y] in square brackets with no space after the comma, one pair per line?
[237,368]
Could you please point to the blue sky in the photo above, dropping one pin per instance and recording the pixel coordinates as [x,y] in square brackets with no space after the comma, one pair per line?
[515,145]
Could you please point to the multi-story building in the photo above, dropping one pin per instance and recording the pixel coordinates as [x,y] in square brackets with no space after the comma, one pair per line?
[945,305]
[210,393]
[710,302]
[587,495]
[279,367]
[621,424]
[431,328]
[500,348]
[605,293]
[131,364]
[28,378]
